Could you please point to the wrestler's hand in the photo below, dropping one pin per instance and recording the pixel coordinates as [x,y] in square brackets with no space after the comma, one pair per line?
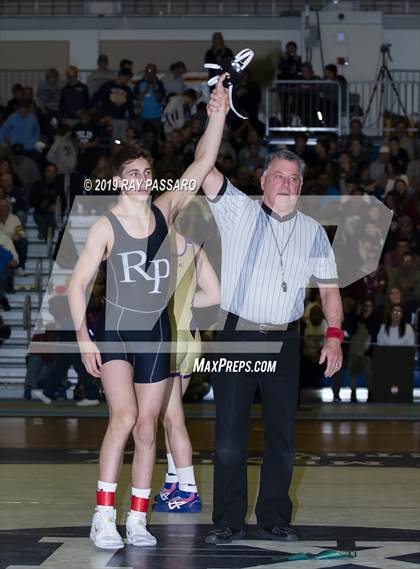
[219,98]
[331,352]
[91,358]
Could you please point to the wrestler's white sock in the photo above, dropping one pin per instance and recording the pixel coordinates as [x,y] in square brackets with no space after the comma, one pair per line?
[171,476]
[186,479]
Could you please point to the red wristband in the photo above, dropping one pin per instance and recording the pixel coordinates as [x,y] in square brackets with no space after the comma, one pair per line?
[105,498]
[335,333]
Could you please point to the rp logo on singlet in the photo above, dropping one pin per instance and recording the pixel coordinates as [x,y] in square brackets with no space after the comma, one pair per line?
[157,274]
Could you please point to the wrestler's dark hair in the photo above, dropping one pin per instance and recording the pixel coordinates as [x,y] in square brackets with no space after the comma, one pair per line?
[127,154]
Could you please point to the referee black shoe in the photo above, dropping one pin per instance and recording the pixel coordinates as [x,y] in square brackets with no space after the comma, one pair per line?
[223,535]
[280,532]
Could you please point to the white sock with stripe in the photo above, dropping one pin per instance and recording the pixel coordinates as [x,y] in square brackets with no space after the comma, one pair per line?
[186,479]
[171,476]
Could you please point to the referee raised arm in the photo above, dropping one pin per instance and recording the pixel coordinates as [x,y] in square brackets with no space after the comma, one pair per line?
[270,253]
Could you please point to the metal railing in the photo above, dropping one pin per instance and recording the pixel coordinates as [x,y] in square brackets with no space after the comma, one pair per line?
[407,83]
[50,247]
[27,317]
[314,106]
[405,74]
[43,8]
[39,279]
[192,7]
[378,104]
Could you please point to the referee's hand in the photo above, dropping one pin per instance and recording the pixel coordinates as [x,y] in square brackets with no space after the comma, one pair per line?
[219,98]
[331,353]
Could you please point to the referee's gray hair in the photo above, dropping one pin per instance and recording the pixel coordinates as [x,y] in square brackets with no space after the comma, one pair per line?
[286,155]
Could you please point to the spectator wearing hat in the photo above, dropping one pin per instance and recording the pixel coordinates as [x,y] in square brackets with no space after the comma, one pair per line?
[377,169]
[101,75]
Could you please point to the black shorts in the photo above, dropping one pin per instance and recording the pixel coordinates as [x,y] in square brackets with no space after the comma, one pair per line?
[150,364]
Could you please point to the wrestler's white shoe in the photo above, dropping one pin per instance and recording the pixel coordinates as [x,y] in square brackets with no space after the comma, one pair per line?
[104,532]
[137,533]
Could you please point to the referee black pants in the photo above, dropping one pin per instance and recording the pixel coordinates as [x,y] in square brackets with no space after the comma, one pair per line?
[234,394]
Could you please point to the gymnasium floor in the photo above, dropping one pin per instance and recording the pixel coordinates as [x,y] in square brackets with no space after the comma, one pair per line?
[356,487]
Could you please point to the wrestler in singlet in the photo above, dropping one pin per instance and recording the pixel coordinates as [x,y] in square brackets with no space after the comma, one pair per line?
[135,318]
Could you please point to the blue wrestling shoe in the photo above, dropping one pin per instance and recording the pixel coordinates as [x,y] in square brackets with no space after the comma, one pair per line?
[180,503]
[167,492]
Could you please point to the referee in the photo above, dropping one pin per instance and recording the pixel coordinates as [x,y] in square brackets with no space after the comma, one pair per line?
[270,252]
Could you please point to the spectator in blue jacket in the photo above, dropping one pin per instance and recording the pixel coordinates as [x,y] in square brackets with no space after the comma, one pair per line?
[21,127]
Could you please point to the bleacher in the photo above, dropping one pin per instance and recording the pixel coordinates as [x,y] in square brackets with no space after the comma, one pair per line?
[25,305]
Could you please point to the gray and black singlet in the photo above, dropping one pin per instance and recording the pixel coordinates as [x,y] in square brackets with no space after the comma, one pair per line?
[135,322]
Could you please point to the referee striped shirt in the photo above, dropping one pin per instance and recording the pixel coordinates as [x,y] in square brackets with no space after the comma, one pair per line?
[251,274]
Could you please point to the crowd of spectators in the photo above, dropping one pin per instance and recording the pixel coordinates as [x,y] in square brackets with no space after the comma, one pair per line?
[67,131]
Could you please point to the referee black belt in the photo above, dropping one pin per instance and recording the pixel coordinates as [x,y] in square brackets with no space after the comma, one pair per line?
[234,322]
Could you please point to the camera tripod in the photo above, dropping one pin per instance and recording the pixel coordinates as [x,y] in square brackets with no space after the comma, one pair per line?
[383,78]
